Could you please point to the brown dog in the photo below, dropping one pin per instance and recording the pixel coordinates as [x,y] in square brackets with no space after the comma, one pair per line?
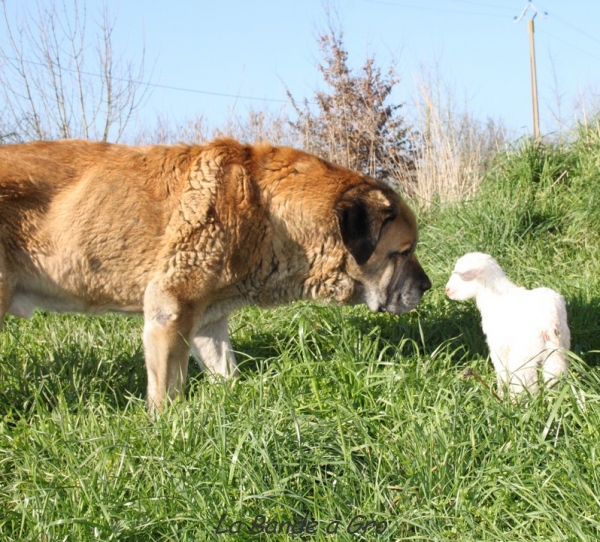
[187,234]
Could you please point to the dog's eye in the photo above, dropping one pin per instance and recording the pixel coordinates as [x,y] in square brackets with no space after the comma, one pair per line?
[396,254]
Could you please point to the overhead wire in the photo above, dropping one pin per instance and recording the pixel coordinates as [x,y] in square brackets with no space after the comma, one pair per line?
[428,8]
[483,5]
[494,6]
[154,85]
[555,17]
[582,32]
[591,55]
[382,2]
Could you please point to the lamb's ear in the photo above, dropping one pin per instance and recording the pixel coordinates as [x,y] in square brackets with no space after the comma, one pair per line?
[361,213]
[469,275]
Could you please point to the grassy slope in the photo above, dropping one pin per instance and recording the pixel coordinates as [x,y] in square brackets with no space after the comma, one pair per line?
[339,411]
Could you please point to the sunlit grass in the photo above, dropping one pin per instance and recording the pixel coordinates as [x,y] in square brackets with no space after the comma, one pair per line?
[339,413]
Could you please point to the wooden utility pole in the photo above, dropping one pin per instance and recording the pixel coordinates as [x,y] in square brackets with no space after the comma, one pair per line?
[534,94]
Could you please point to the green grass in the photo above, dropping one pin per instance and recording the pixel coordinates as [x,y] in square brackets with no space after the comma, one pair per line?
[339,413]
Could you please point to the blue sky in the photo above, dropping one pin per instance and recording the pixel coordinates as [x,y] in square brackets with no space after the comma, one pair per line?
[227,56]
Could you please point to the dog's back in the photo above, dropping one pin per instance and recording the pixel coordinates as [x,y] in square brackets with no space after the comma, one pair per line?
[81,222]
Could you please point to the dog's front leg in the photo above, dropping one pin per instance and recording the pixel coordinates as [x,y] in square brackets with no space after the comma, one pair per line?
[4,286]
[167,330]
[212,346]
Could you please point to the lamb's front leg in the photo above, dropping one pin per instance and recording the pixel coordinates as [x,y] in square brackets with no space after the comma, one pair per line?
[212,346]
[516,371]
[554,367]
[523,368]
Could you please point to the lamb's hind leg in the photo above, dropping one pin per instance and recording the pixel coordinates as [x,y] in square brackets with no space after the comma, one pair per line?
[557,341]
[554,367]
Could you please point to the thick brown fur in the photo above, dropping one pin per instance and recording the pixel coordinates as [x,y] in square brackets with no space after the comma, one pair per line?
[186,234]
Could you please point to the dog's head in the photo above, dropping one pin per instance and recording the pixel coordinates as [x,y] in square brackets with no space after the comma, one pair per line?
[380,233]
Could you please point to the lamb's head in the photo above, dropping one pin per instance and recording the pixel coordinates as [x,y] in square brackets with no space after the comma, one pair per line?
[472,273]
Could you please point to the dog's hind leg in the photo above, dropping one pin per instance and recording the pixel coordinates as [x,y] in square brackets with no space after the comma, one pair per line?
[212,346]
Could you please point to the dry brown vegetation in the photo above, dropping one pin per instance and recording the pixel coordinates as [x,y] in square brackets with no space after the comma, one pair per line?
[455,149]
[429,148]
[354,124]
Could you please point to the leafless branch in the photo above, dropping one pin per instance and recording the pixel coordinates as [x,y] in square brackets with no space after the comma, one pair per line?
[60,76]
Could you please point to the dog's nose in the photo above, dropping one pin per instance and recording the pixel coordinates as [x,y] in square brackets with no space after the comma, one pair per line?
[426,284]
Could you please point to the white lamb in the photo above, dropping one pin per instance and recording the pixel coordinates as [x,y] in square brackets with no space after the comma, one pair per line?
[525,329]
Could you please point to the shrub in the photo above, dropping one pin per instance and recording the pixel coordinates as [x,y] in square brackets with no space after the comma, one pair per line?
[354,124]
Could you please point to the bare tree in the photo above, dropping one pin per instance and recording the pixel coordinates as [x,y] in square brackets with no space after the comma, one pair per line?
[6,133]
[259,125]
[59,78]
[165,132]
[353,124]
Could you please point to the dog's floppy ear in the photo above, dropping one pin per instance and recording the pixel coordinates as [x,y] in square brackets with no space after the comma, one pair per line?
[361,213]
